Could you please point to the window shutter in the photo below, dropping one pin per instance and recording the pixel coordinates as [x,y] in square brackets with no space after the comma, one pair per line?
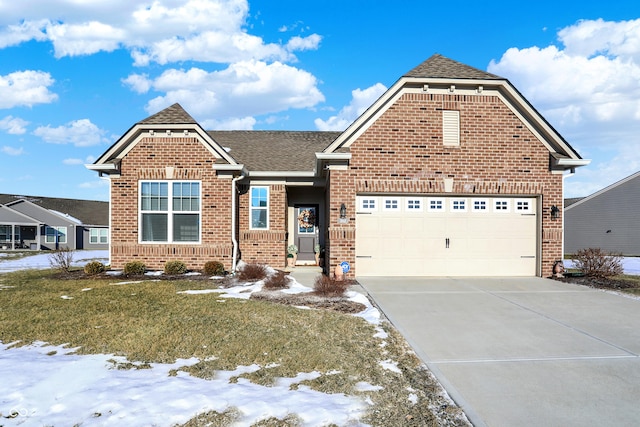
[451,128]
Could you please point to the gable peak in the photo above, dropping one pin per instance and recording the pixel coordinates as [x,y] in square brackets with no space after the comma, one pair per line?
[438,66]
[173,114]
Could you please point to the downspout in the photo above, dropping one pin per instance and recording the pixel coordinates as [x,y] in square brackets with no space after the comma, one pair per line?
[234,238]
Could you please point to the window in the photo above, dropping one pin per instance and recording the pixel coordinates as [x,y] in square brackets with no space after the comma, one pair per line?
[458,205]
[451,128]
[55,234]
[98,235]
[176,222]
[436,204]
[414,205]
[5,233]
[391,204]
[501,205]
[480,205]
[368,204]
[259,208]
[523,206]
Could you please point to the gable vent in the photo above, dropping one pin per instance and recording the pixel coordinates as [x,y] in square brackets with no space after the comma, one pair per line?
[451,128]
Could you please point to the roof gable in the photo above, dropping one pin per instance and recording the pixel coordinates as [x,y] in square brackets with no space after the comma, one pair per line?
[438,66]
[616,185]
[8,215]
[431,77]
[89,212]
[170,121]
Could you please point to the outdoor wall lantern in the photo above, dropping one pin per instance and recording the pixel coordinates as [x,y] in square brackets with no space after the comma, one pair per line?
[343,211]
[555,212]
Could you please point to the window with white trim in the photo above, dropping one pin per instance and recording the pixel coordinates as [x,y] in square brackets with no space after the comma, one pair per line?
[436,204]
[368,204]
[259,214]
[391,205]
[414,205]
[458,205]
[480,205]
[169,211]
[451,128]
[523,206]
[55,234]
[501,205]
[98,235]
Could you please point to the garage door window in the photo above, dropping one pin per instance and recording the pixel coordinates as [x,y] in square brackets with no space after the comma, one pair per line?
[523,206]
[391,205]
[436,205]
[501,205]
[480,205]
[367,204]
[414,205]
[458,205]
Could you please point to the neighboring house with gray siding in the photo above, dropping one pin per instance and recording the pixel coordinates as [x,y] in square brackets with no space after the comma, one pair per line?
[608,219]
[45,223]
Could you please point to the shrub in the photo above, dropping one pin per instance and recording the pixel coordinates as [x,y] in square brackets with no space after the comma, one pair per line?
[175,267]
[594,262]
[62,259]
[252,273]
[276,281]
[94,267]
[134,268]
[329,287]
[213,268]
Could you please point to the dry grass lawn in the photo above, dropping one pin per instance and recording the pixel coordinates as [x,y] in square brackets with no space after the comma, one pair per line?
[151,322]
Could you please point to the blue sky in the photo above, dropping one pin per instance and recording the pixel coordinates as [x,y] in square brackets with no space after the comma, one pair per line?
[77,74]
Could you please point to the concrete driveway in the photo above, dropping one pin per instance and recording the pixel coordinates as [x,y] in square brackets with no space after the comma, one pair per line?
[522,351]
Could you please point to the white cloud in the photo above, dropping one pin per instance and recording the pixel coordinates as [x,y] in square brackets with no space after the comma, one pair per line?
[360,101]
[589,90]
[81,133]
[74,161]
[244,89]
[14,125]
[234,123]
[26,88]
[98,183]
[139,83]
[10,151]
[162,31]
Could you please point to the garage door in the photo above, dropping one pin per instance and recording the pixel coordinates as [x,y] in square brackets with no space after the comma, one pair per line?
[446,236]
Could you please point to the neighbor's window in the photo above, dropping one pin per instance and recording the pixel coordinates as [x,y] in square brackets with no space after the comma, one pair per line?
[55,234]
[98,235]
[170,211]
[259,208]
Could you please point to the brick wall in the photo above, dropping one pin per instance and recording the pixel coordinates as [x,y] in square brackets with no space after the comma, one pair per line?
[403,152]
[148,160]
[265,246]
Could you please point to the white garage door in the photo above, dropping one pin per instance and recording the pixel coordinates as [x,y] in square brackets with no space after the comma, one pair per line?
[446,236]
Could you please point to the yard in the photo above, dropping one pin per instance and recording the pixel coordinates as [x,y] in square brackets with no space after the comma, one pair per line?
[116,351]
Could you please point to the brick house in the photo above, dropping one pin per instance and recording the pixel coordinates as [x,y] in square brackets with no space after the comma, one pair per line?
[450,172]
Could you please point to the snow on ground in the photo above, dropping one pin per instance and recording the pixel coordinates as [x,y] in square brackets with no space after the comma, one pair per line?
[41,261]
[47,385]
[631,265]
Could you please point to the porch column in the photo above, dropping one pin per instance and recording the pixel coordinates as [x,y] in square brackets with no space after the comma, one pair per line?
[13,236]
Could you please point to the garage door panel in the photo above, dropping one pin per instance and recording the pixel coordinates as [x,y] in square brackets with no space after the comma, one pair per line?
[481,242]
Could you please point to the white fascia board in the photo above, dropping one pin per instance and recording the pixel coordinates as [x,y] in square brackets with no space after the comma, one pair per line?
[104,167]
[573,162]
[137,132]
[229,167]
[333,156]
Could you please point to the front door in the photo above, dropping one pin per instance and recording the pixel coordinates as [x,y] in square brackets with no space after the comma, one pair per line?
[306,234]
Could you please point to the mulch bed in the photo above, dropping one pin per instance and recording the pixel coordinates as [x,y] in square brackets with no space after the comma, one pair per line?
[598,282]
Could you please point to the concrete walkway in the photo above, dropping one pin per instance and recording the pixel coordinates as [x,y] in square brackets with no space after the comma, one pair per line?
[522,351]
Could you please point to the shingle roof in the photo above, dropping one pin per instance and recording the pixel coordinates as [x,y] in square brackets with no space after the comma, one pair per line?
[275,150]
[90,212]
[174,114]
[438,66]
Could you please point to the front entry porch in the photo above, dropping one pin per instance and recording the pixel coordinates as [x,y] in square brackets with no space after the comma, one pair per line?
[306,223]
